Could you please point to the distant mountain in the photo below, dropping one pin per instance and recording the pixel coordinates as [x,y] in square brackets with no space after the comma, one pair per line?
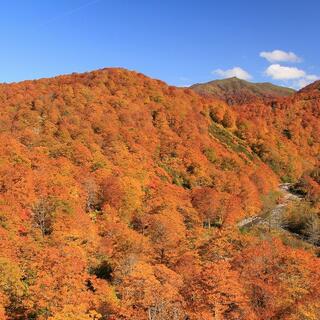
[237,91]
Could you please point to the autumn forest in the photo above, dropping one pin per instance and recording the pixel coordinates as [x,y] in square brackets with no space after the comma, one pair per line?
[122,197]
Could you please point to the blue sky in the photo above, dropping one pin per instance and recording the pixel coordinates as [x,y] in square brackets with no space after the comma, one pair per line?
[180,42]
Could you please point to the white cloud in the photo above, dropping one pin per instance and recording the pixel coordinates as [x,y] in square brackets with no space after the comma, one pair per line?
[234,72]
[312,77]
[280,56]
[298,78]
[278,72]
[300,83]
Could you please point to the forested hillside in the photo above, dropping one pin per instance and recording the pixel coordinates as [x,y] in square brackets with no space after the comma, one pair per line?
[119,198]
[239,92]
[285,133]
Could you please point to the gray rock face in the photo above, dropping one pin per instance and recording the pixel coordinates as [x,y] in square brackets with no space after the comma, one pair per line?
[275,217]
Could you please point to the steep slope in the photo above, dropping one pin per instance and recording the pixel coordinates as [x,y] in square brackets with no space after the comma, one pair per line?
[311,88]
[237,91]
[119,197]
[285,133]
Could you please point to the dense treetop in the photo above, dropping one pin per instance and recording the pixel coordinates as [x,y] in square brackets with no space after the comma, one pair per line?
[119,197]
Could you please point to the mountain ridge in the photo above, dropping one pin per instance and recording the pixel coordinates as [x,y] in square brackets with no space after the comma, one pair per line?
[237,91]
[120,197]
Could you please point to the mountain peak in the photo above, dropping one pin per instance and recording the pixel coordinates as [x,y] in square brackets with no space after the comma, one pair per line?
[238,91]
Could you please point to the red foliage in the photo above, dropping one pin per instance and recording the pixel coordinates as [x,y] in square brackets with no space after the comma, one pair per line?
[119,197]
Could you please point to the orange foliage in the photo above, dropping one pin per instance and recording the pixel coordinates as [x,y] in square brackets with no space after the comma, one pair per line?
[119,197]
